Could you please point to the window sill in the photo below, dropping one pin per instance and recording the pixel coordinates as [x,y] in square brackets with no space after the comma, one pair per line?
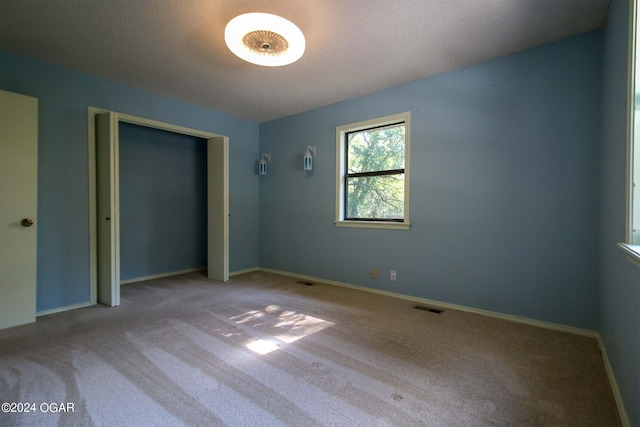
[374,224]
[632,251]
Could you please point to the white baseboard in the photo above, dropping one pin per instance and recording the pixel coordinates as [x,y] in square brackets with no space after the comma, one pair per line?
[246,270]
[158,276]
[614,384]
[60,309]
[519,319]
[191,270]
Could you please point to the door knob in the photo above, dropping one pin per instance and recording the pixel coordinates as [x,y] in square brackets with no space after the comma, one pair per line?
[26,222]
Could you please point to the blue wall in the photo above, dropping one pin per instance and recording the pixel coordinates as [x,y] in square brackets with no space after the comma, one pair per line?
[503,189]
[163,202]
[619,279]
[63,188]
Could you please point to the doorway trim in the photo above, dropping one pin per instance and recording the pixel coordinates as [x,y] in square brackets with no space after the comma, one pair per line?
[222,197]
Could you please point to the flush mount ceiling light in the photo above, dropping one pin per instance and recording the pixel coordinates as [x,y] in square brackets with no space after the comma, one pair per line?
[264,39]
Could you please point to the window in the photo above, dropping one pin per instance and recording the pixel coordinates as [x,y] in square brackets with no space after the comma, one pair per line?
[372,178]
[632,244]
[634,154]
[634,142]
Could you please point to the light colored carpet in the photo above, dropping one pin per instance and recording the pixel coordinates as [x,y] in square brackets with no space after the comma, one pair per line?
[263,350]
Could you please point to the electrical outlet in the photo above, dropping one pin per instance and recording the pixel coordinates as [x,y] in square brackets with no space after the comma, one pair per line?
[374,273]
[392,275]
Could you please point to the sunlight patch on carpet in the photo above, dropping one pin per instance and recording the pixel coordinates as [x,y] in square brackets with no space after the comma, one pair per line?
[285,326]
[261,346]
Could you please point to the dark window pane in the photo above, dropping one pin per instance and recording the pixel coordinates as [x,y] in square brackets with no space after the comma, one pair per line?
[376,197]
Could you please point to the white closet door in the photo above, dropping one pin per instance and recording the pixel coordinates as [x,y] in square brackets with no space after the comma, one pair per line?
[107,208]
[218,208]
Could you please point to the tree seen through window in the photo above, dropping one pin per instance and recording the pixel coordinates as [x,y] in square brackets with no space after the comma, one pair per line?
[375,173]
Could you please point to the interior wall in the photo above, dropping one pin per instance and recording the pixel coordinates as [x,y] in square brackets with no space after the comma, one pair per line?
[504,160]
[163,201]
[619,279]
[63,170]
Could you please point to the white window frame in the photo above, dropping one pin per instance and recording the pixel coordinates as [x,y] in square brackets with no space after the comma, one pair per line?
[341,131]
[632,233]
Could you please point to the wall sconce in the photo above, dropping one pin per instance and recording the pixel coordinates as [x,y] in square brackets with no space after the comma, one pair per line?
[308,160]
[262,165]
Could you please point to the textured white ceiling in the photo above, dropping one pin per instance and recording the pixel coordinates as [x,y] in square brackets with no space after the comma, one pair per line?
[354,47]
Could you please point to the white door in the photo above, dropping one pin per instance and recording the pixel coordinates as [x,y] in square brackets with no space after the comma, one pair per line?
[18,208]
[108,209]
[218,208]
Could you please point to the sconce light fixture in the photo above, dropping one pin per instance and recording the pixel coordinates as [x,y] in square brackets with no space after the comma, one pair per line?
[308,160]
[262,165]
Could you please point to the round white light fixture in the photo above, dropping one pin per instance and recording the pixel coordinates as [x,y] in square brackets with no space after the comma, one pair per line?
[264,39]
